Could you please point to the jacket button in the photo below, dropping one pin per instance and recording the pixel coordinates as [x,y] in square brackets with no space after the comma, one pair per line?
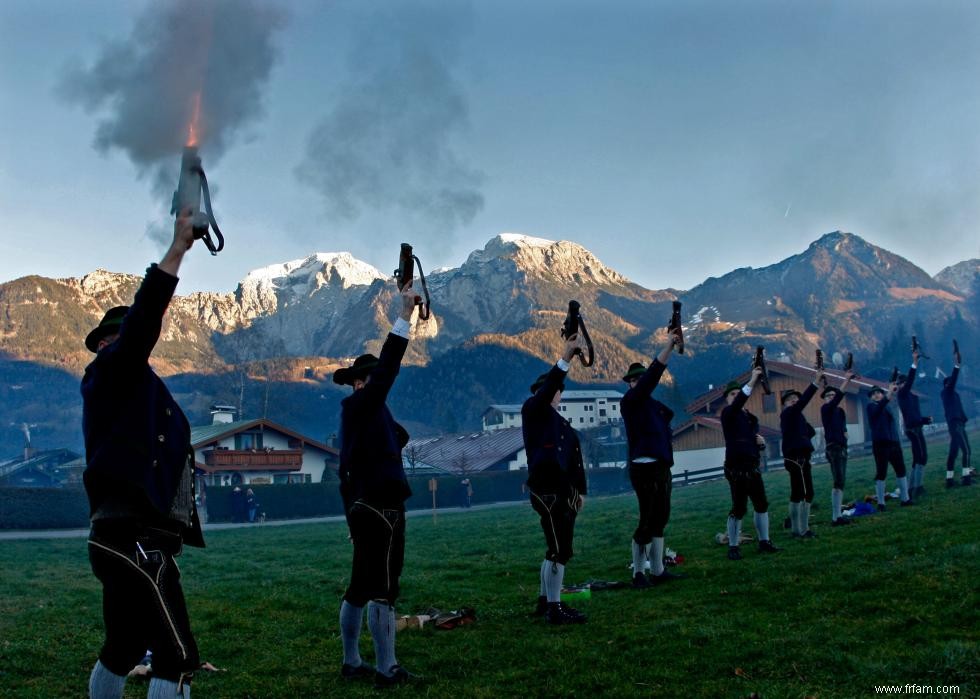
[559,448]
[154,463]
[160,437]
[169,412]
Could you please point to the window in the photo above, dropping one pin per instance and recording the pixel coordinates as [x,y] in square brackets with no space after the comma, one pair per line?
[591,419]
[581,419]
[602,412]
[769,403]
[248,440]
[280,479]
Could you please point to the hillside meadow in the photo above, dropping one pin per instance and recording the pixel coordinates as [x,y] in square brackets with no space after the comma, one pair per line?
[890,600]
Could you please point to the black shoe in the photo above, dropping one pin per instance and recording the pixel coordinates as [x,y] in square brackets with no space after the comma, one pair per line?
[734,554]
[640,582]
[951,483]
[542,606]
[906,503]
[766,546]
[840,522]
[881,507]
[353,672]
[808,534]
[560,614]
[666,577]
[966,480]
[399,675]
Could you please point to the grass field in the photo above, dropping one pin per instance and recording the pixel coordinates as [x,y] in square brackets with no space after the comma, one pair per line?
[890,600]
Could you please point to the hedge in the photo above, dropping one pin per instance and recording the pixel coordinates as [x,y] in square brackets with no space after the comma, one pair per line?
[43,508]
[56,508]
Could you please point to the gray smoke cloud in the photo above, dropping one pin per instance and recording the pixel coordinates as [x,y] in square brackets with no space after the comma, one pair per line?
[144,87]
[386,143]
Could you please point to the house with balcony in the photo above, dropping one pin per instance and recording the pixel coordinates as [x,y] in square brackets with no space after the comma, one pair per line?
[259,451]
[699,442]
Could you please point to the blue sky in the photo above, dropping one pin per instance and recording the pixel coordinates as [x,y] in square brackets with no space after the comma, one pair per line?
[676,140]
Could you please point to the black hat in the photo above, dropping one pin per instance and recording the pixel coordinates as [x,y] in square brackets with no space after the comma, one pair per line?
[732,386]
[110,325]
[827,391]
[787,393]
[360,369]
[875,389]
[635,371]
[539,382]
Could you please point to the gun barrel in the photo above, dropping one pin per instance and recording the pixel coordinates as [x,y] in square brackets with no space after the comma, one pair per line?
[188,194]
[406,266]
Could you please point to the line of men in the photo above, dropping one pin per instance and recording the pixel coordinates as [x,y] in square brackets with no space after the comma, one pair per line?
[139,480]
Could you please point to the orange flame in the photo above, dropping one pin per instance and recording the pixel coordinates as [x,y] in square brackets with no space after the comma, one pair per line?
[193,137]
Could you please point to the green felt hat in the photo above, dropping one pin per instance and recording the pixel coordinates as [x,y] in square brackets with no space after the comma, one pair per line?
[110,325]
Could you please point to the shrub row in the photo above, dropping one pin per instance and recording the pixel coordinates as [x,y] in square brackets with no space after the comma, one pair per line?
[43,508]
[59,508]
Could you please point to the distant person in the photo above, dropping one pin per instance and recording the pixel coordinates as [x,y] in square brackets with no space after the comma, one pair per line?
[797,435]
[651,456]
[885,445]
[908,403]
[556,481]
[251,505]
[956,422]
[467,492]
[834,421]
[744,447]
[374,489]
[139,478]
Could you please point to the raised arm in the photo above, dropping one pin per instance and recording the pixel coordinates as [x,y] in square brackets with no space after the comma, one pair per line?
[141,327]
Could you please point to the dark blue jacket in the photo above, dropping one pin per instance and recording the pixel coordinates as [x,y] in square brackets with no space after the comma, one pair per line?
[554,457]
[909,402]
[797,432]
[952,405]
[371,441]
[648,420]
[834,420]
[883,421]
[740,428]
[137,439]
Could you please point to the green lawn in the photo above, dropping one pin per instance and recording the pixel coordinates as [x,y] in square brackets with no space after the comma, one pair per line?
[889,600]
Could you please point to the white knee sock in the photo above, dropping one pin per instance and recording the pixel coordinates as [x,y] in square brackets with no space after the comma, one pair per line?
[350,632]
[804,516]
[167,689]
[794,517]
[381,623]
[836,500]
[657,555]
[762,525]
[553,580]
[545,565]
[903,488]
[639,557]
[103,684]
[880,491]
[734,527]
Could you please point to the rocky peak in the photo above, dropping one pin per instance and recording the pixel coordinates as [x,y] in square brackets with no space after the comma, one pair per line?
[561,261]
[963,276]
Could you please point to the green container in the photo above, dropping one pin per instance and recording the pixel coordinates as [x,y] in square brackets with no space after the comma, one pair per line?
[576,595]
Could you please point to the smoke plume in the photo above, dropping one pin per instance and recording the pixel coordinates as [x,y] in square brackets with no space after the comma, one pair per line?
[386,142]
[145,88]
